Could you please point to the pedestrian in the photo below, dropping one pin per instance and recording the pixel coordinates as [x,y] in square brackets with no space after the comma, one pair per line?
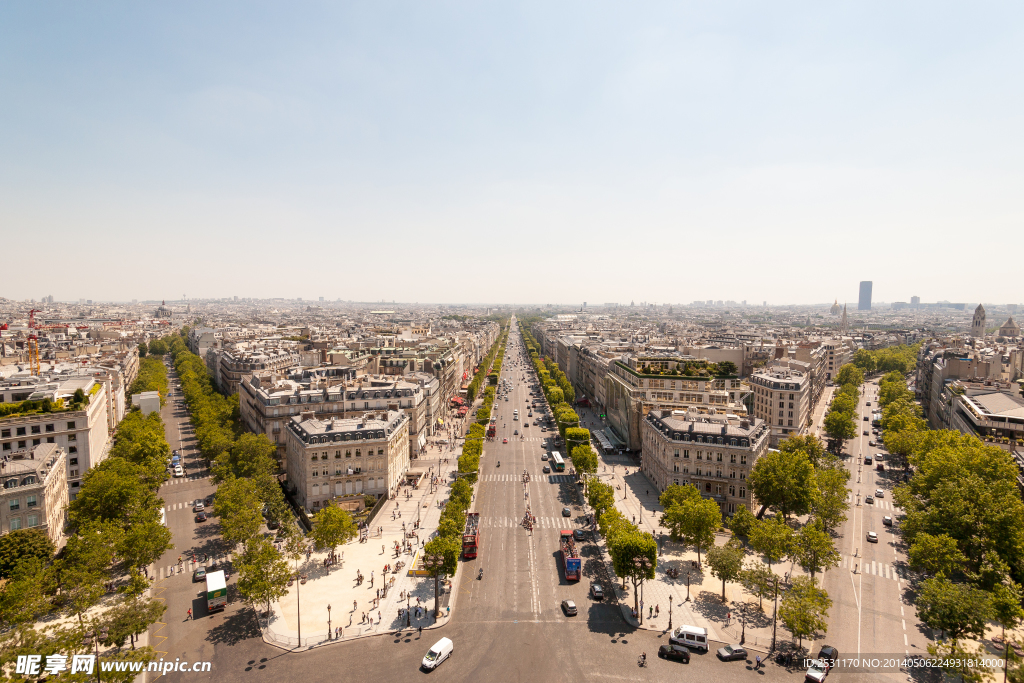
[189,616]
[354,608]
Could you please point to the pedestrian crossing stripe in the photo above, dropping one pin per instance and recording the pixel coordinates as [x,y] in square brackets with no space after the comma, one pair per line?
[552,478]
[541,523]
[885,571]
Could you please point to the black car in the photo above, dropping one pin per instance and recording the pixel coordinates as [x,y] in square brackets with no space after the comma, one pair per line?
[201,516]
[273,524]
[578,534]
[678,653]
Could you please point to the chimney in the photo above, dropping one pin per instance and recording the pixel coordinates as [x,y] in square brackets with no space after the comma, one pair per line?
[306,415]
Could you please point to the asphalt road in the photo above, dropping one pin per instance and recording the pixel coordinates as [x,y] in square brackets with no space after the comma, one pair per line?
[872,613]
[507,626]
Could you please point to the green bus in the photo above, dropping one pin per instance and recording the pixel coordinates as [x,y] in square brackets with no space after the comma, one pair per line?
[557,464]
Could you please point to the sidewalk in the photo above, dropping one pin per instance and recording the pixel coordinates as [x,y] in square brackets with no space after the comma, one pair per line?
[637,499]
[336,586]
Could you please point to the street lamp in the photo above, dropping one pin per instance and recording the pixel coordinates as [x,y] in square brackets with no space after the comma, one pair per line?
[669,612]
[329,632]
[434,563]
[775,613]
[96,637]
[743,624]
[408,608]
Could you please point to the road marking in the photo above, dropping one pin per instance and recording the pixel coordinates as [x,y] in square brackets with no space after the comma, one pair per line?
[901,610]
[904,623]
[905,643]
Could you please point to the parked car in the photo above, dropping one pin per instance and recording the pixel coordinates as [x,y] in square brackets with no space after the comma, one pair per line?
[596,591]
[821,666]
[731,652]
[569,607]
[866,432]
[678,653]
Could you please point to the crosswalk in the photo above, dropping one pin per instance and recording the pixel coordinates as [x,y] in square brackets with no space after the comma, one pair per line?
[883,505]
[186,478]
[187,566]
[542,522]
[551,478]
[872,568]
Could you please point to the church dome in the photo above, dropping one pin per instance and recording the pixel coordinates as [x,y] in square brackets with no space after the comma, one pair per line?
[835,310]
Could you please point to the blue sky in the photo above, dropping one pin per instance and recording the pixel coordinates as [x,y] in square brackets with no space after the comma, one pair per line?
[498,152]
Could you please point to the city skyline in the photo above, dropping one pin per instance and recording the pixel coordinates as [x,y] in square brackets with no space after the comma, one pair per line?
[524,153]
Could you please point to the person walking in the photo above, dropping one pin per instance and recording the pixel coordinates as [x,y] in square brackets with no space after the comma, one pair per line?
[758,665]
[189,615]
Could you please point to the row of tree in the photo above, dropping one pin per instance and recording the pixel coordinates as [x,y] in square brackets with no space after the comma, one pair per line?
[114,531]
[841,419]
[901,359]
[152,377]
[481,372]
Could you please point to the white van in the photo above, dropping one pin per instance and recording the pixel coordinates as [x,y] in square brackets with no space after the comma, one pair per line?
[690,636]
[441,651]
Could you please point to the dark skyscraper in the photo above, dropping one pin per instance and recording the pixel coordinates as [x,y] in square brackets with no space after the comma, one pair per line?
[864,304]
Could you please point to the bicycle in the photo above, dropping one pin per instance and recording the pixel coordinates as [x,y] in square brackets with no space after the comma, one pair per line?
[642,660]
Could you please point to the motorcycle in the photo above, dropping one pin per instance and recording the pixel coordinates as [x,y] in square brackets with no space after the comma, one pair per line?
[481,574]
[499,464]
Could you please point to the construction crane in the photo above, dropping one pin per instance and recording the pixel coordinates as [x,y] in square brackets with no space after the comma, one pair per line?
[33,343]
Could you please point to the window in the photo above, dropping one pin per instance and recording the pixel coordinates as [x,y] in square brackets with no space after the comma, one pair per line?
[791,397]
[36,429]
[675,468]
[719,459]
[72,437]
[49,439]
[686,454]
[348,453]
[743,459]
[791,406]
[7,446]
[359,453]
[316,472]
[732,474]
[5,433]
[30,501]
[73,449]
[74,473]
[74,461]
[36,442]
[732,458]
[71,425]
[743,492]
[15,524]
[315,458]
[380,451]
[791,413]
[707,487]
[700,455]
[15,503]
[21,431]
[790,423]
[33,520]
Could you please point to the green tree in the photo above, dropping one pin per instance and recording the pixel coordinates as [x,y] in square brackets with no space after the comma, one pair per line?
[129,619]
[143,543]
[784,482]
[727,369]
[742,521]
[628,546]
[830,501]
[462,492]
[239,508]
[840,428]
[865,360]
[956,609]
[937,555]
[612,522]
[759,580]
[26,594]
[1006,607]
[694,522]
[249,456]
[804,608]
[601,498]
[726,562]
[807,444]
[23,544]
[263,572]
[813,549]
[143,350]
[332,527]
[677,495]
[850,374]
[584,459]
[448,548]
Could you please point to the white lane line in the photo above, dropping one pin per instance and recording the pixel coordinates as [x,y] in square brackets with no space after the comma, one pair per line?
[904,624]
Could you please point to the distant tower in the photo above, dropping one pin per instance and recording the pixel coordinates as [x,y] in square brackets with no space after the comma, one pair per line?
[978,324]
[844,323]
[864,303]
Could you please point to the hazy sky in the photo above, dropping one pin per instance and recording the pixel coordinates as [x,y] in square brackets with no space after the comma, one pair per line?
[512,152]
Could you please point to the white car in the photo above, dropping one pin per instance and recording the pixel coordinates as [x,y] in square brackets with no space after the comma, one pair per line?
[879,493]
[872,537]
[178,472]
[441,651]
